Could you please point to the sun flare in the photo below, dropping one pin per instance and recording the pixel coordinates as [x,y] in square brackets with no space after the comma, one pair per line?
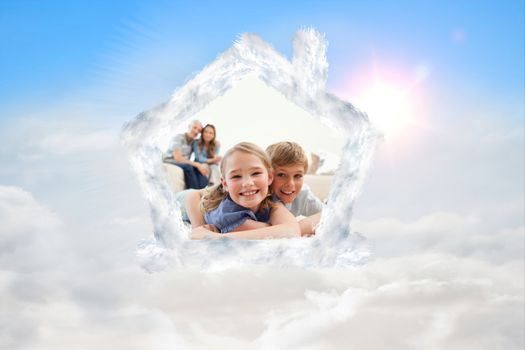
[388,107]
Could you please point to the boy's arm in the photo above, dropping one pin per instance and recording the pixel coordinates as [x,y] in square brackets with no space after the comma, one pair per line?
[309,224]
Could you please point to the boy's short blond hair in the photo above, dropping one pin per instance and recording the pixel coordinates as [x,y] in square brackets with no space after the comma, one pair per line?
[287,153]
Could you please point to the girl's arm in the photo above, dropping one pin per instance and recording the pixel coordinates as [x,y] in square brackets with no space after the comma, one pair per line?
[210,231]
[199,229]
[250,225]
[192,208]
[283,225]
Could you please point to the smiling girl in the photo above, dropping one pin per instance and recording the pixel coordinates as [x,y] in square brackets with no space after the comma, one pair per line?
[241,206]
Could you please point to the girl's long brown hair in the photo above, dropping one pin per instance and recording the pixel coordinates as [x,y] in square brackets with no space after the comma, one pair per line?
[215,194]
[213,145]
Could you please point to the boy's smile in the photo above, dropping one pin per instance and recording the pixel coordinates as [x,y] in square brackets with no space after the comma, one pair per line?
[287,182]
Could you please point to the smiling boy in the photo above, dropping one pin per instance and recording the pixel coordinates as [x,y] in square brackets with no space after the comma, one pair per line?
[290,164]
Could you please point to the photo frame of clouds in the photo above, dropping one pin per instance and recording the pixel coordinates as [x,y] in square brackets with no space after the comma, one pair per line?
[303,82]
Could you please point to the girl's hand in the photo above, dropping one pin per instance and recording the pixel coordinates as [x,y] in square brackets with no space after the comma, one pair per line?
[250,225]
[205,232]
[211,228]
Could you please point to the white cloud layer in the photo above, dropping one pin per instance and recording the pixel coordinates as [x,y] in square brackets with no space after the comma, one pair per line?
[29,231]
[462,235]
[63,143]
[58,294]
[435,302]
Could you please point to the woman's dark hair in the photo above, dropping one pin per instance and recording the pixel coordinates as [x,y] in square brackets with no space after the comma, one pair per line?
[213,146]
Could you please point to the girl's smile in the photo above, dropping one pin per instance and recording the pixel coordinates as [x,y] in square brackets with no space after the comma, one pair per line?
[246,180]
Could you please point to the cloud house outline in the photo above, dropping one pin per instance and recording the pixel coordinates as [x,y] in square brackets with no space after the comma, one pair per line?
[303,82]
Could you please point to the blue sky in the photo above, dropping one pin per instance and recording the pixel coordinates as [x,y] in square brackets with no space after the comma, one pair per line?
[442,206]
[51,49]
[96,65]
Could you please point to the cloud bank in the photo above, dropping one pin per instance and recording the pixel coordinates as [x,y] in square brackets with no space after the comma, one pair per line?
[442,280]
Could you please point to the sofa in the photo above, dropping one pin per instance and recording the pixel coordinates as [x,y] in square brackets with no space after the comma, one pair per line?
[319,184]
[175,177]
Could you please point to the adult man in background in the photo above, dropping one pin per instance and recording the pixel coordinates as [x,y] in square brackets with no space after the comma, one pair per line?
[179,154]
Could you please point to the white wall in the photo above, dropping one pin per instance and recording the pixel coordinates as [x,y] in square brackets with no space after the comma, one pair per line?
[252,111]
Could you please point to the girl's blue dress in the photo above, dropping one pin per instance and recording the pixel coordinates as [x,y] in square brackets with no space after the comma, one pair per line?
[230,215]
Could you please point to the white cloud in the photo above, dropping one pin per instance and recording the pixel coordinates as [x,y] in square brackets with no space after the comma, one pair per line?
[73,143]
[54,289]
[463,161]
[20,213]
[420,301]
[426,300]
[54,134]
[61,321]
[441,280]
[30,232]
[461,235]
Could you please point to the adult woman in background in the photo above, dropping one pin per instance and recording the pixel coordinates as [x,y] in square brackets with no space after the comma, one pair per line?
[206,150]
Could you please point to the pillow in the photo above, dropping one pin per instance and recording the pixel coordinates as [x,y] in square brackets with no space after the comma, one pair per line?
[328,163]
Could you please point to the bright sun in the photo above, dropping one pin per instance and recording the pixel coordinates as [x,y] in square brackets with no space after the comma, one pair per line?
[388,107]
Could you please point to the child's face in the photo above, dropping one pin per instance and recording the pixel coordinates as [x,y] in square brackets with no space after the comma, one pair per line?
[288,181]
[246,179]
